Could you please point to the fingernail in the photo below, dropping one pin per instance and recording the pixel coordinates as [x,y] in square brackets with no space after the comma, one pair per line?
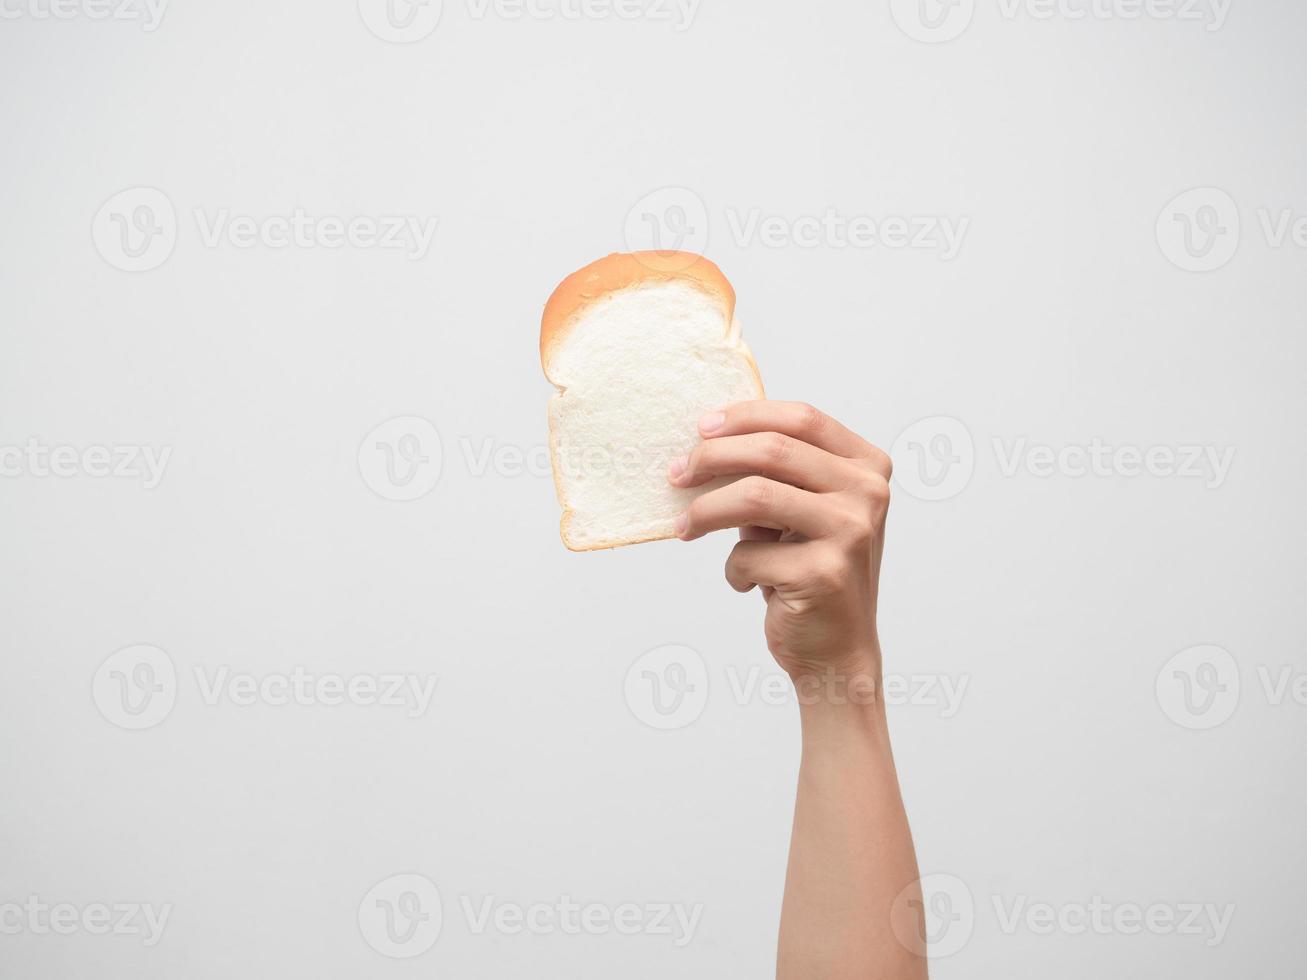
[712,421]
[680,524]
[676,467]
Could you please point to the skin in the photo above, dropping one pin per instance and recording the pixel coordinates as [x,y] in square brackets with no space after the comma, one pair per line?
[811,506]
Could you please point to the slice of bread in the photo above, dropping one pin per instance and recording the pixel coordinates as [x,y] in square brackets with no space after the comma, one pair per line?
[639,346]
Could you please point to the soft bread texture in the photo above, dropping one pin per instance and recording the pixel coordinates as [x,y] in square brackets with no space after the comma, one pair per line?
[639,346]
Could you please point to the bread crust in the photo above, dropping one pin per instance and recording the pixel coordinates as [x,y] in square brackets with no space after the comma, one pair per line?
[573,545]
[612,273]
[621,270]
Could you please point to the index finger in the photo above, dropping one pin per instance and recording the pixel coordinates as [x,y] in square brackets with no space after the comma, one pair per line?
[797,419]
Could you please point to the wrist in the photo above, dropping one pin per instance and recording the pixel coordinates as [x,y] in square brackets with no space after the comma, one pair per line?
[845,688]
[851,676]
[844,719]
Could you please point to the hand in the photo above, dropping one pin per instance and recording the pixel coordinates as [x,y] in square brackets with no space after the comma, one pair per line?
[811,512]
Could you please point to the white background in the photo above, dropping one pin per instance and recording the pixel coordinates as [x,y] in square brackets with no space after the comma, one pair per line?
[1067,772]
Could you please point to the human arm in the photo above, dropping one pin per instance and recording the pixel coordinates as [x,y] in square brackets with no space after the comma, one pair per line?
[811,510]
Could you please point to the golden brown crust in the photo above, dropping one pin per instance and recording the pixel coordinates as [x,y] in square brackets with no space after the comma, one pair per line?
[572,545]
[620,271]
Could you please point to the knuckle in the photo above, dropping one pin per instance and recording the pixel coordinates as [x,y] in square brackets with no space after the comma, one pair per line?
[856,523]
[863,480]
[777,447]
[871,487]
[882,462]
[878,490]
[828,571]
[810,418]
[859,527]
[757,490]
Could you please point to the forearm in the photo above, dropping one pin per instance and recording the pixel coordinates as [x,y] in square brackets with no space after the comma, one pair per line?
[851,852]
[811,506]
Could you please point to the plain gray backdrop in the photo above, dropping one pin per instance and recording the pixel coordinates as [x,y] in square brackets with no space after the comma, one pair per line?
[1129,275]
